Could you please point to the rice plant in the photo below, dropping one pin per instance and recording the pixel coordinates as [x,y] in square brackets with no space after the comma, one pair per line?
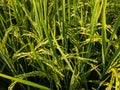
[59,44]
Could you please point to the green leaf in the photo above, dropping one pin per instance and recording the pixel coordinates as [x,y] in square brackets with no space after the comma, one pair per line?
[25,82]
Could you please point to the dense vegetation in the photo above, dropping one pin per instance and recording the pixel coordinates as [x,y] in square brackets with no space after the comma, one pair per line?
[60,44]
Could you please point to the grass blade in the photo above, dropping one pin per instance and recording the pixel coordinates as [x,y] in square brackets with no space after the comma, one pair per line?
[63,23]
[94,19]
[104,33]
[68,3]
[24,82]
[37,8]
[45,27]
[116,25]
[112,60]
[8,62]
